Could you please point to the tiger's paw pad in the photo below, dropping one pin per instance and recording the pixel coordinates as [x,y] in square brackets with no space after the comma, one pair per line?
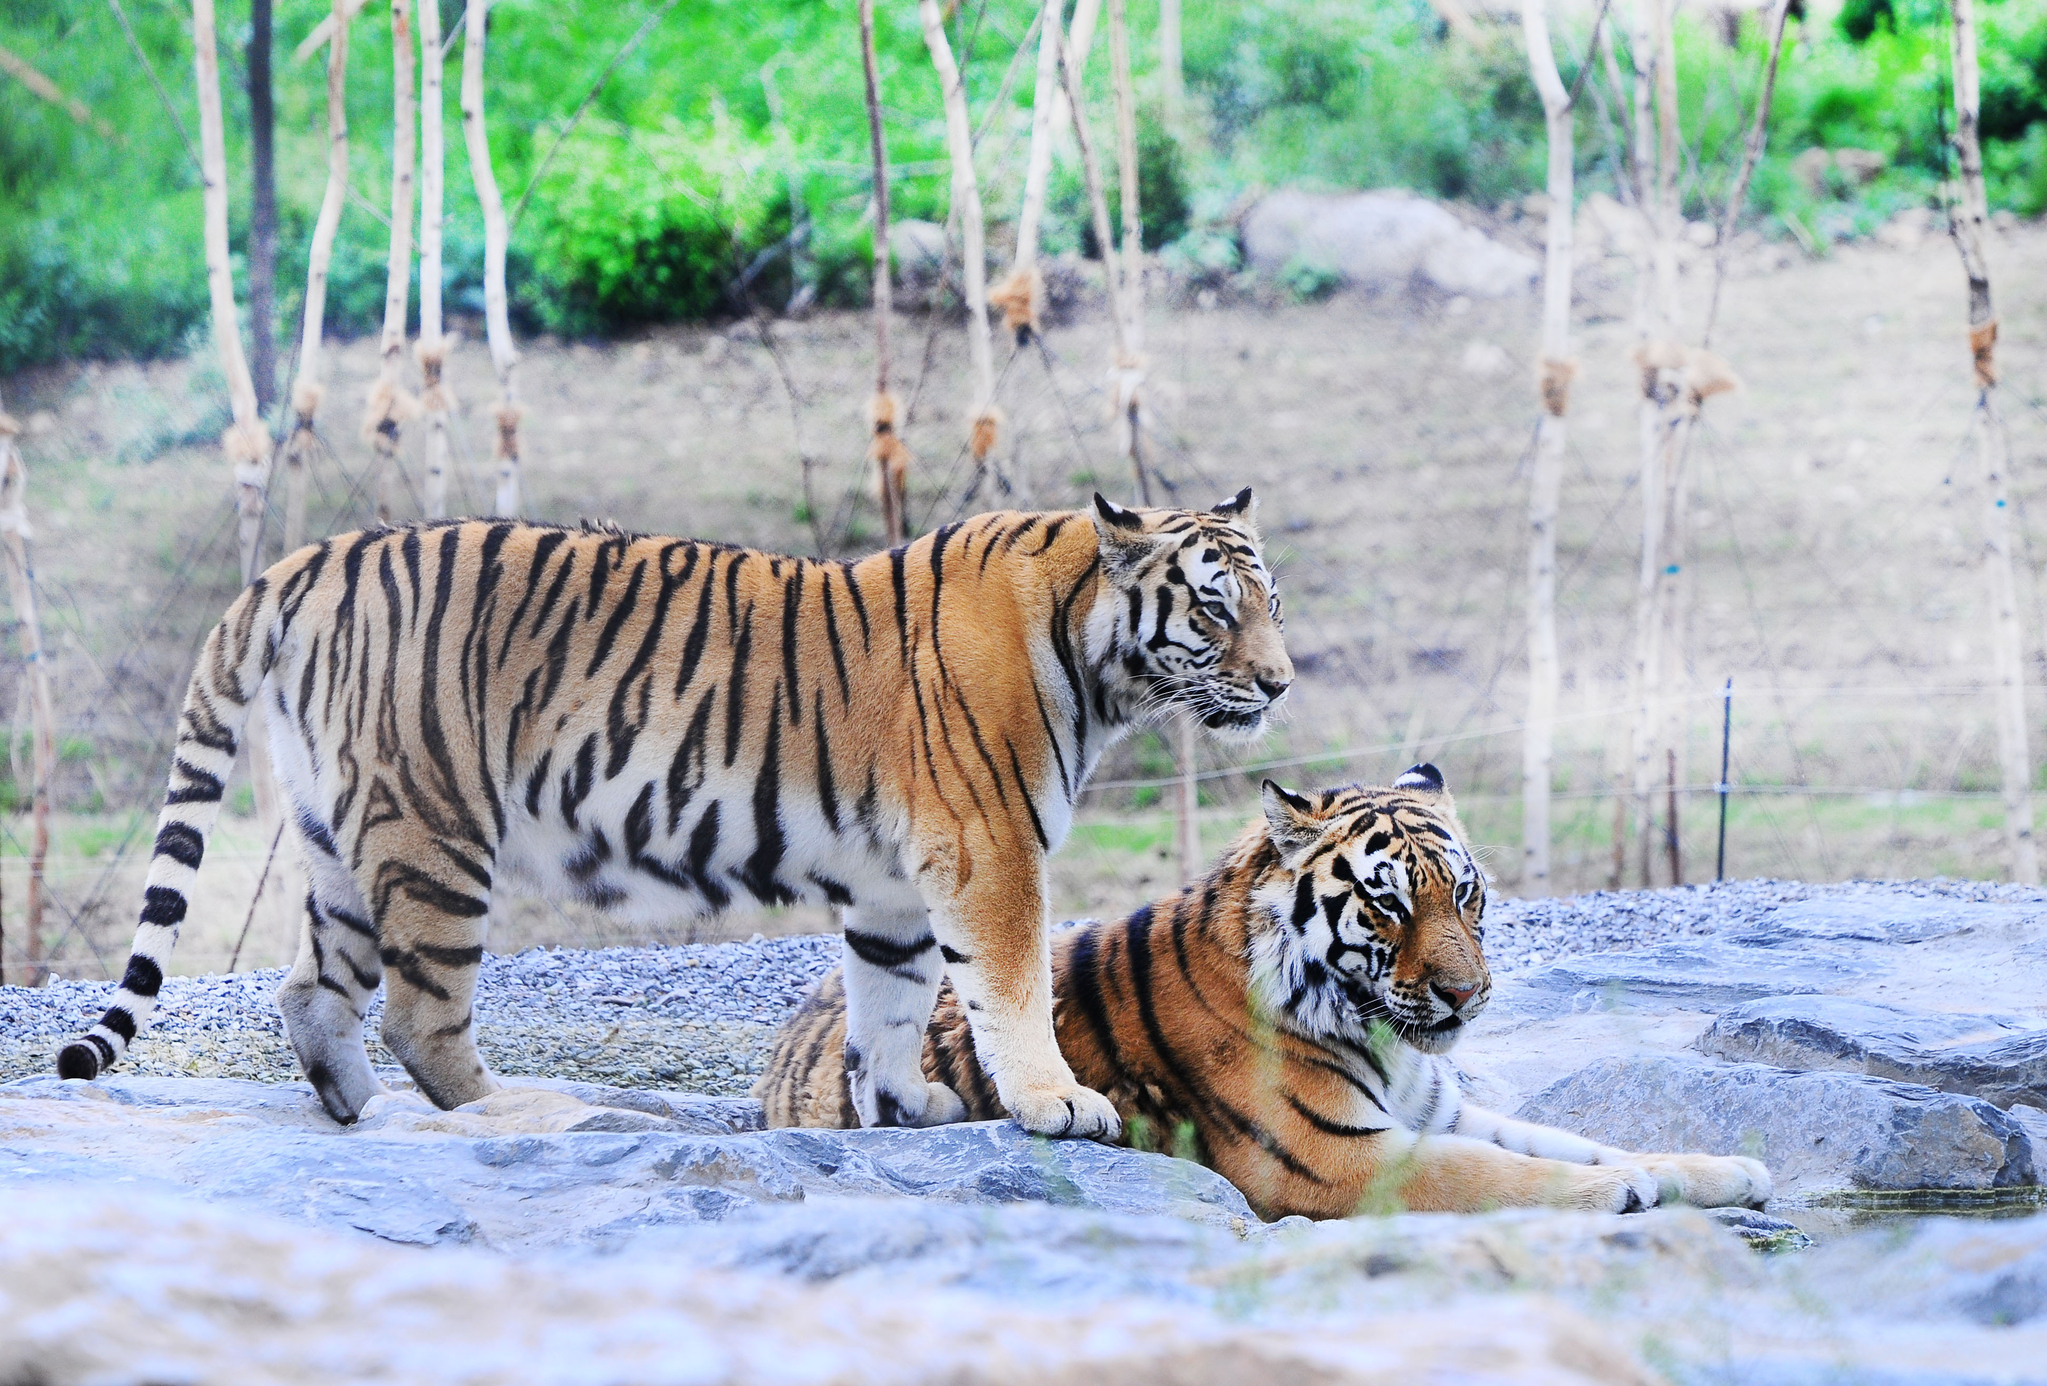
[1068,1110]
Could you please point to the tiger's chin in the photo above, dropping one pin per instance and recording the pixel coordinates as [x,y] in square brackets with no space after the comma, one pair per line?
[1233,727]
[1439,1038]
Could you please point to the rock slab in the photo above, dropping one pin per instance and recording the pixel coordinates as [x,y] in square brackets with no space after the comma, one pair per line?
[1382,240]
[1815,1130]
[2000,1059]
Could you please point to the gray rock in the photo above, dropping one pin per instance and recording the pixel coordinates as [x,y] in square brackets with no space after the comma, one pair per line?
[1997,1058]
[1760,1231]
[1382,240]
[918,248]
[1693,974]
[1815,1131]
[1873,917]
[561,1177]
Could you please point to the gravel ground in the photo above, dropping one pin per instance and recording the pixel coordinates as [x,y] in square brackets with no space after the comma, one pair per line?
[701,1017]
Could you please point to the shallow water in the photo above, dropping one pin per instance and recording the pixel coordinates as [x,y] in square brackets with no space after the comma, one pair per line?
[1855,1210]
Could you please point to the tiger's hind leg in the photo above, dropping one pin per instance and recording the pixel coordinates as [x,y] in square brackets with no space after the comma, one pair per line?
[327,993]
[432,913]
[892,974]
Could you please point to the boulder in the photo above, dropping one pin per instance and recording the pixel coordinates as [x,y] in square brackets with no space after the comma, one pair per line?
[539,1166]
[918,249]
[1707,974]
[1382,240]
[1816,1131]
[2000,1059]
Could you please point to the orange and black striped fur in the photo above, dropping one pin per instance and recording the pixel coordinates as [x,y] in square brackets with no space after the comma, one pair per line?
[664,727]
[1292,1011]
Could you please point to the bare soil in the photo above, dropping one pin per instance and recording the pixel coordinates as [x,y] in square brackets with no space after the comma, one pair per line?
[1836,573]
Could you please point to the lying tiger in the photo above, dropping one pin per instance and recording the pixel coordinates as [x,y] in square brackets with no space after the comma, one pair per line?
[1293,1009]
[664,727]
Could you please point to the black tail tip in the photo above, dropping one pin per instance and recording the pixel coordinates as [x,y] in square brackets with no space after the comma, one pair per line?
[78,1060]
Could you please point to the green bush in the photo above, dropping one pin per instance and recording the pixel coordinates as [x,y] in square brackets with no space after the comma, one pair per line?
[653,228]
[77,283]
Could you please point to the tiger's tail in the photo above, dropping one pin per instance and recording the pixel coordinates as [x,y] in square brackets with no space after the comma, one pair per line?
[231,668]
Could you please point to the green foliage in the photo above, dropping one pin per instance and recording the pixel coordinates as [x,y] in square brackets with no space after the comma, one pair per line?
[724,161]
[1309,281]
[649,227]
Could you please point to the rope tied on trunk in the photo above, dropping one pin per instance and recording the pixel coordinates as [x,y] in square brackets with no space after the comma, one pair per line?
[1553,378]
[247,446]
[434,395]
[387,406]
[1021,297]
[1983,346]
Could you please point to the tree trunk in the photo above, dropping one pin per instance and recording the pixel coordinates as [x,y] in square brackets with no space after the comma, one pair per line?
[1968,227]
[1078,40]
[306,391]
[1126,374]
[1557,370]
[1172,81]
[388,404]
[1661,359]
[433,347]
[885,447]
[1098,209]
[985,420]
[14,537]
[504,356]
[262,210]
[247,442]
[1022,295]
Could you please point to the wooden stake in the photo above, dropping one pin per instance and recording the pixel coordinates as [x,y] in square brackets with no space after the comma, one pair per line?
[388,405]
[433,347]
[885,446]
[984,421]
[1968,229]
[14,539]
[307,391]
[504,356]
[1677,868]
[1557,370]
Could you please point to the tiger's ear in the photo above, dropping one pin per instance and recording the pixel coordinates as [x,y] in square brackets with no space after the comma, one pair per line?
[1121,537]
[1242,507]
[1290,820]
[1425,780]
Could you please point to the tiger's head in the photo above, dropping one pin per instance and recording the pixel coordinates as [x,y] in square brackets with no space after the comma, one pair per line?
[1191,621]
[1377,913]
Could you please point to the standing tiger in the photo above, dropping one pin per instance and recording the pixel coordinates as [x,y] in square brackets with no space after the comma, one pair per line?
[1293,1009]
[663,727]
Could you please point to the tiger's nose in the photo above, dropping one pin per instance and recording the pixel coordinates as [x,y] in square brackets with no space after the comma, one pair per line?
[1456,996]
[1272,688]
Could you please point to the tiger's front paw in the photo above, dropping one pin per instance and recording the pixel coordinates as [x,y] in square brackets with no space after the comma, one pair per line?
[1066,1109]
[912,1103]
[1615,1189]
[1711,1181]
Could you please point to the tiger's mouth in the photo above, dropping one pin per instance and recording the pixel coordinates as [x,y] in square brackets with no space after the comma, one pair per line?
[1234,723]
